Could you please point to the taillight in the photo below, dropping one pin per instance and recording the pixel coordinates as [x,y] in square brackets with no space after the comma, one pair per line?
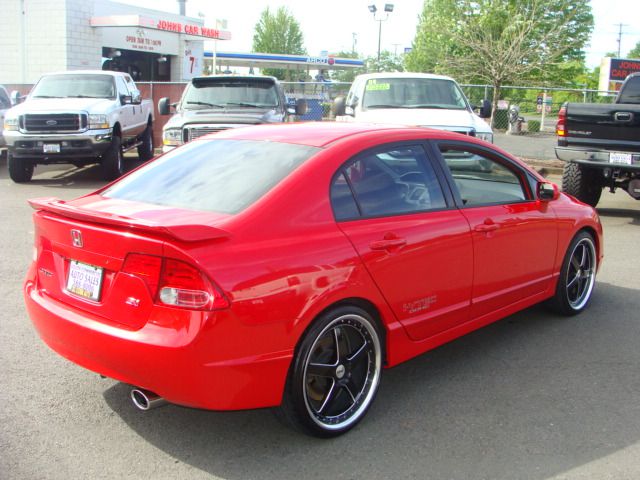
[562,122]
[146,267]
[176,283]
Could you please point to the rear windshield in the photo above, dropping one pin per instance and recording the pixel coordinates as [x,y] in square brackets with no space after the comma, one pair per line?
[224,176]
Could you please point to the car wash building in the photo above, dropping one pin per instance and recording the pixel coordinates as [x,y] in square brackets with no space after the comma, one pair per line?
[40,36]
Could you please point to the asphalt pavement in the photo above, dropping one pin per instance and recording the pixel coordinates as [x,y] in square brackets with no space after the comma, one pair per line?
[538,146]
[534,396]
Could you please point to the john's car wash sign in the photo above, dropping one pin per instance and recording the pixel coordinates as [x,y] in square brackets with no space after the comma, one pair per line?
[613,71]
[162,24]
[195,30]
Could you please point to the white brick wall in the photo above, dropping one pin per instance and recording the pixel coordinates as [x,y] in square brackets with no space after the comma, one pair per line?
[56,35]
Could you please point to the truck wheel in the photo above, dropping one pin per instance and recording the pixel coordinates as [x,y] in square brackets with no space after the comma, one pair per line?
[112,161]
[145,149]
[583,183]
[19,171]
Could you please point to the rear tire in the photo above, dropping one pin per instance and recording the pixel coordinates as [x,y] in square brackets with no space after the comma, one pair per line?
[145,149]
[577,277]
[335,373]
[20,171]
[113,161]
[583,183]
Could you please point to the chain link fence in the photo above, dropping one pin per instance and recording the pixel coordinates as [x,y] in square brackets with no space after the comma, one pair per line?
[539,106]
[319,96]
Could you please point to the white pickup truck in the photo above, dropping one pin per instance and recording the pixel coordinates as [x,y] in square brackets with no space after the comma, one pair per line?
[78,117]
[420,99]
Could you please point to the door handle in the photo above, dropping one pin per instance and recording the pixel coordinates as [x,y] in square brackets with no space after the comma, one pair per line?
[487,226]
[387,244]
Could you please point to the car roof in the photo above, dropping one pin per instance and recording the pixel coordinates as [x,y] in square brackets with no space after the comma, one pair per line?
[321,134]
[84,72]
[368,76]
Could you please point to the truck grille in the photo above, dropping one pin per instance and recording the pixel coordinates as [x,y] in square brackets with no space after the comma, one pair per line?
[189,133]
[53,122]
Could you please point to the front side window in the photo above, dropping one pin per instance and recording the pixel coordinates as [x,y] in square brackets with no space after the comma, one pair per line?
[224,176]
[434,93]
[384,182]
[482,180]
[79,86]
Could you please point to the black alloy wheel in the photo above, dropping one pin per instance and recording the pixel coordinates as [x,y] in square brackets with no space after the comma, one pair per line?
[577,277]
[335,374]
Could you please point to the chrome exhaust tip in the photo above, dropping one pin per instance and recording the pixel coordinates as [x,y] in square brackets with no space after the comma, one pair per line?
[145,400]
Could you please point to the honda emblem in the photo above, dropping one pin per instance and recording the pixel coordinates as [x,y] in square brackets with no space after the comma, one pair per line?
[76,238]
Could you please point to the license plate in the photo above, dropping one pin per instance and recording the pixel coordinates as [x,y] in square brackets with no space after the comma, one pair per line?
[51,148]
[84,280]
[624,158]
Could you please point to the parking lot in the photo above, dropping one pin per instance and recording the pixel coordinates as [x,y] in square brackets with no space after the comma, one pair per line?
[534,396]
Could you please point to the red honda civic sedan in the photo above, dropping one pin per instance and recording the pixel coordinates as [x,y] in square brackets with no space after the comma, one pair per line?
[287,265]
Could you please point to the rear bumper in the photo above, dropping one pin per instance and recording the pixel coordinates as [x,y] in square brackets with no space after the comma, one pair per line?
[183,365]
[595,158]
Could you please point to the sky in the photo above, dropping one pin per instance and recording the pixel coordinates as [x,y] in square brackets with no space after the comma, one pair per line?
[334,25]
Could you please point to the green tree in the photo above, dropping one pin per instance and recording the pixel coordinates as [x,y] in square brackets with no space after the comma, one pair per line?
[350,74]
[388,62]
[635,51]
[278,32]
[502,41]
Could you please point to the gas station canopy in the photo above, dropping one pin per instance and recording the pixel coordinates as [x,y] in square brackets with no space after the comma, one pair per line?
[276,60]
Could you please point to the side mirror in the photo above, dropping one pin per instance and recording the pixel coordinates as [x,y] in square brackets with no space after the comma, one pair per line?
[548,191]
[136,98]
[339,106]
[301,106]
[16,98]
[485,109]
[163,106]
[126,99]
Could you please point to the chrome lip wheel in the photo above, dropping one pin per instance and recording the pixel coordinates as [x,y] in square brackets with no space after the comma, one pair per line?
[341,372]
[581,273]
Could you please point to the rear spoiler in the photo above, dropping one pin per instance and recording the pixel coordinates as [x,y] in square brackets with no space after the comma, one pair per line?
[182,232]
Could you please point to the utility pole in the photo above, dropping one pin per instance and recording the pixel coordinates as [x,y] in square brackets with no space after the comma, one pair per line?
[620,25]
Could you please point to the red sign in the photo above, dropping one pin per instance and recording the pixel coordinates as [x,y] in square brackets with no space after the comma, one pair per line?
[191,29]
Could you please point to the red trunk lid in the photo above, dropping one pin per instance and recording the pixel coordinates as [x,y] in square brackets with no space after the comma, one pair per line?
[81,247]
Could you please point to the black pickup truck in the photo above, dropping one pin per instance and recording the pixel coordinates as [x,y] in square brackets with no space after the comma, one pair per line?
[600,144]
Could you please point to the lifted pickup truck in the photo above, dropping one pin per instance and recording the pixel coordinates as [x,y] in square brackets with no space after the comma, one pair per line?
[600,144]
[78,117]
[211,104]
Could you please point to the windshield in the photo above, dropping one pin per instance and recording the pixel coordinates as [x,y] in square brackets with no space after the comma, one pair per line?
[413,93]
[80,86]
[224,176]
[232,93]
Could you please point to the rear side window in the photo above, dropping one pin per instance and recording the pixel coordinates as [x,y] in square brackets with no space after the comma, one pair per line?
[631,91]
[482,180]
[389,181]
[224,176]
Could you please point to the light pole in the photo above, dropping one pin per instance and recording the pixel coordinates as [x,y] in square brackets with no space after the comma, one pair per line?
[388,8]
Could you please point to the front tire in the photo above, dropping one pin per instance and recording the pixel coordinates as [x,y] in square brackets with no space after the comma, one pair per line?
[335,374]
[112,160]
[577,277]
[19,171]
[583,183]
[145,149]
